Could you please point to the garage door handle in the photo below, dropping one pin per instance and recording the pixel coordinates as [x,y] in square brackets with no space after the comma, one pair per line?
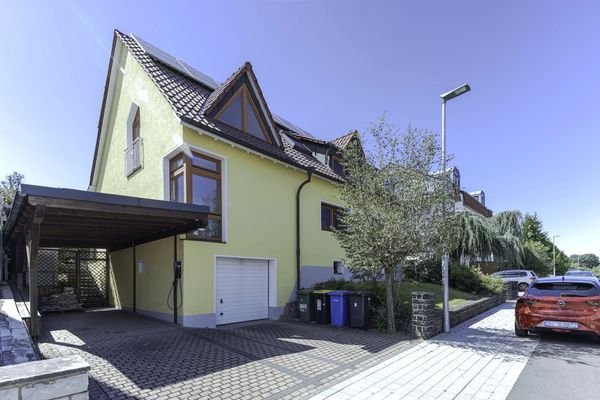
[221,301]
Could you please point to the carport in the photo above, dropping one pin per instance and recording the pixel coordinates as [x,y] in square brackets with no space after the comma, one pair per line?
[67,218]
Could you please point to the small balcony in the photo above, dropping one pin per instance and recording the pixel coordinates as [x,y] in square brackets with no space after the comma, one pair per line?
[133,157]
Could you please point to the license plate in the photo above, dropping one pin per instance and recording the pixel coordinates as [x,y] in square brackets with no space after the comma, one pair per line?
[561,324]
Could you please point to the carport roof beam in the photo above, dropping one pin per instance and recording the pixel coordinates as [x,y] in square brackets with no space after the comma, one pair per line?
[78,218]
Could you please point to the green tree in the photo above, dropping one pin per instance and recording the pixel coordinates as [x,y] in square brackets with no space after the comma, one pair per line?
[398,207]
[499,236]
[563,263]
[533,230]
[589,260]
[538,257]
[10,186]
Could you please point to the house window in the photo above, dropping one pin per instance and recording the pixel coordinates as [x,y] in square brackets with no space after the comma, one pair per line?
[241,112]
[336,165]
[197,180]
[329,217]
[133,152]
[338,267]
[177,180]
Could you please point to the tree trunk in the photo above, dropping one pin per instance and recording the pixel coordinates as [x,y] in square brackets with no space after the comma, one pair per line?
[389,288]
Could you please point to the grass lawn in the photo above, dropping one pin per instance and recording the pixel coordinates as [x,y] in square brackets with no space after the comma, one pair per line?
[456,296]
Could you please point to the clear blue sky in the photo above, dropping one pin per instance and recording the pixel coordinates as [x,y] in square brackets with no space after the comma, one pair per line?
[528,132]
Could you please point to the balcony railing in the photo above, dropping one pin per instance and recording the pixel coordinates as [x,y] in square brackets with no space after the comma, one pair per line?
[133,157]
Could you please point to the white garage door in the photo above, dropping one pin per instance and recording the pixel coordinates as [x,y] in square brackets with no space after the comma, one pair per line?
[242,290]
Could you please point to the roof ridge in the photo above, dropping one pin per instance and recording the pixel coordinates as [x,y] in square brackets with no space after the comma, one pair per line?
[219,91]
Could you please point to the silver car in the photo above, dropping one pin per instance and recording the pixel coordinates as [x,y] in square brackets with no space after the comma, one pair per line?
[521,276]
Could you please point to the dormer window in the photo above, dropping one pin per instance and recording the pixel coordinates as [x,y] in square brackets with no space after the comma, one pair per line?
[241,112]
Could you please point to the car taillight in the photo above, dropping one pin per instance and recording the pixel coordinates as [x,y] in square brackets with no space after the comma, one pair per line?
[593,303]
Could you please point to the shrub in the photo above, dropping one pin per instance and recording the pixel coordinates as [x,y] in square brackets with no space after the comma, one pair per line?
[471,279]
[491,284]
[335,284]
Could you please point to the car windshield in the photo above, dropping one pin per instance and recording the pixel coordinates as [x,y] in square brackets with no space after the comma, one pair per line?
[564,289]
[579,273]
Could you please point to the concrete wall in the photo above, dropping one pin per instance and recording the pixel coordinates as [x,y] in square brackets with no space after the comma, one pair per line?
[54,379]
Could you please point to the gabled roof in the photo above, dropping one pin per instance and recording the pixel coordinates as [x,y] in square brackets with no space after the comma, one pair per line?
[225,90]
[192,96]
[343,141]
[472,203]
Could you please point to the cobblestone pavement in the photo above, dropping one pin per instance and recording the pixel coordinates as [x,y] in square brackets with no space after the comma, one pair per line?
[15,344]
[136,357]
[479,359]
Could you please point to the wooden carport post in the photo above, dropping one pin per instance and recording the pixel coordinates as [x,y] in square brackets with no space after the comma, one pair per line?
[33,241]
[20,262]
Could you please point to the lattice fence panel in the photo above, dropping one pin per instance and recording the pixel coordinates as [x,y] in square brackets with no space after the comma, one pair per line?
[93,279]
[82,269]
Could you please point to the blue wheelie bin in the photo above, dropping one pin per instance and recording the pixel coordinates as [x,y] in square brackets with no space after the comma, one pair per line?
[338,300]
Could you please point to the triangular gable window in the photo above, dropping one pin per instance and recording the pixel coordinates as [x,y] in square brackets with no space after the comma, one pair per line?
[240,112]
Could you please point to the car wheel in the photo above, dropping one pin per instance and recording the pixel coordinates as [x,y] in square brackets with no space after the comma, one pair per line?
[523,286]
[520,332]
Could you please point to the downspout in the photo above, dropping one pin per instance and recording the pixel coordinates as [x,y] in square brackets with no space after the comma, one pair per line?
[134,279]
[308,179]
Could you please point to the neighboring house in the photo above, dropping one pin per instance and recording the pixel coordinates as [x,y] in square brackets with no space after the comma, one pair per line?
[169,132]
[473,202]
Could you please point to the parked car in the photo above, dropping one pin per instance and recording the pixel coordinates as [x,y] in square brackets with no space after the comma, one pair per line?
[580,273]
[560,304]
[521,276]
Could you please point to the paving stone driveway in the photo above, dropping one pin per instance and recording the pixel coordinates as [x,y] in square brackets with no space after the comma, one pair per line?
[135,357]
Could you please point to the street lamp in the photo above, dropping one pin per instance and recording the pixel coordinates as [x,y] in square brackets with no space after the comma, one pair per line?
[554,254]
[445,97]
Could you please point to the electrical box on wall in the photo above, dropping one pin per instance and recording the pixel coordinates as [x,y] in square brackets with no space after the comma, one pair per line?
[141,267]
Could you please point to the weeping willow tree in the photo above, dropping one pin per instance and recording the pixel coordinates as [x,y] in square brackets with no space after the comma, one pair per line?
[499,236]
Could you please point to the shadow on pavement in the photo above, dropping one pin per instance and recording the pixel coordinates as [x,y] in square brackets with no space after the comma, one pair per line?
[133,356]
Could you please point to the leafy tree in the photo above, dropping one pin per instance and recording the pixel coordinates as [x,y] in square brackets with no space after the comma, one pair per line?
[533,230]
[589,260]
[562,262]
[538,257]
[10,186]
[499,236]
[398,207]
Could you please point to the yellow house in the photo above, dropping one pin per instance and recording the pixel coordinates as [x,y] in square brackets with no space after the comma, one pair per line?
[169,132]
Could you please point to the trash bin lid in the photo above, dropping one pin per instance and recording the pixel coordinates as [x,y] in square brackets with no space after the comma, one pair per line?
[322,291]
[362,293]
[340,292]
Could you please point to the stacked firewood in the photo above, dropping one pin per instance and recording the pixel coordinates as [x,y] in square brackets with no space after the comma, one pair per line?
[66,301]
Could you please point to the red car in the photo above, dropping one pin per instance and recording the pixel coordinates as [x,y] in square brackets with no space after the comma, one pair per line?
[560,304]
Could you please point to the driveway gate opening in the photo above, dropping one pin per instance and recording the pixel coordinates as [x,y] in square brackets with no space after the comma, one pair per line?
[85,270]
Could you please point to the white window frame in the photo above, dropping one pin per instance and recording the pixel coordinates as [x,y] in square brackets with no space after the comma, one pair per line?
[133,154]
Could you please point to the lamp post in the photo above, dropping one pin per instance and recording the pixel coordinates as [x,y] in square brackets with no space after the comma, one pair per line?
[554,254]
[445,258]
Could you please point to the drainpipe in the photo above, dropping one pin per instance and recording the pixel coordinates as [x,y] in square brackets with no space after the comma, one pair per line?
[134,279]
[308,179]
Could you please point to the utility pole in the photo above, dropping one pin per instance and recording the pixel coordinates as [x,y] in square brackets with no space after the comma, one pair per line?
[554,254]
[445,258]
